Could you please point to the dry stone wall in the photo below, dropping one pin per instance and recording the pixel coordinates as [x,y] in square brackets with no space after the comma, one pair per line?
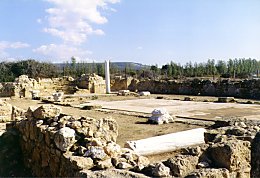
[54,144]
[242,89]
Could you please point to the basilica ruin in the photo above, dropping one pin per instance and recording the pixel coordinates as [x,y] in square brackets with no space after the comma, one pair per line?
[85,132]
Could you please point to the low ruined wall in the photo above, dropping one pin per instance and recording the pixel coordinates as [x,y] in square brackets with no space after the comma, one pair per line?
[54,144]
[242,89]
[120,83]
[23,86]
[92,82]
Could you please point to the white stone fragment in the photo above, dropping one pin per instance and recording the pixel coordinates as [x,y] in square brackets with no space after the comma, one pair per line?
[144,93]
[160,116]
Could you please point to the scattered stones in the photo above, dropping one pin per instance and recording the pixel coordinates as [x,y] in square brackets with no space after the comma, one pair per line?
[188,98]
[160,116]
[226,99]
[123,92]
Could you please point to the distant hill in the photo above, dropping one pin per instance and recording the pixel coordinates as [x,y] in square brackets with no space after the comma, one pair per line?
[119,65]
[133,65]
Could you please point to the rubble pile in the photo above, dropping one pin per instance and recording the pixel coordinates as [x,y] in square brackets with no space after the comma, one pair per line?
[227,152]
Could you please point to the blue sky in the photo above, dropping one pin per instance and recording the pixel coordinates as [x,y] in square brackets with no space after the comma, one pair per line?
[145,31]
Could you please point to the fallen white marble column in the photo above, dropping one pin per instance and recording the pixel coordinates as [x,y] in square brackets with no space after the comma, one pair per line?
[167,143]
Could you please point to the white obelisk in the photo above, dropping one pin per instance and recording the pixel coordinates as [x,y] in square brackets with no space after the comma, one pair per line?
[107,76]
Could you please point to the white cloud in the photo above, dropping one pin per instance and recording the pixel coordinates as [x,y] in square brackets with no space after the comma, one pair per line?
[71,20]
[39,21]
[139,47]
[62,52]
[5,45]
[12,45]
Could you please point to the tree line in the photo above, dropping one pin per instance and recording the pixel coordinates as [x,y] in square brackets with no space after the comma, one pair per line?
[233,68]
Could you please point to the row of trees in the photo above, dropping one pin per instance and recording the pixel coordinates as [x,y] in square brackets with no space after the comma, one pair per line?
[10,70]
[237,68]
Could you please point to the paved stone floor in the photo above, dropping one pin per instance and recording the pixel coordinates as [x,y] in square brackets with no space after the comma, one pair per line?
[203,110]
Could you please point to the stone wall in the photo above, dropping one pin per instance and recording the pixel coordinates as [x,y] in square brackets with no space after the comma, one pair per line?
[57,145]
[120,83]
[23,85]
[242,89]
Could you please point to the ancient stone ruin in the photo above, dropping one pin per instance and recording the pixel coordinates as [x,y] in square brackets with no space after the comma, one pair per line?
[92,82]
[27,87]
[54,144]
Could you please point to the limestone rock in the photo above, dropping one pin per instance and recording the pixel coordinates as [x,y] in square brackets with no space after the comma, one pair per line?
[104,164]
[5,111]
[233,155]
[141,163]
[112,149]
[106,129]
[81,162]
[160,170]
[94,142]
[46,111]
[160,116]
[17,113]
[182,165]
[96,152]
[209,172]
[65,138]
[124,165]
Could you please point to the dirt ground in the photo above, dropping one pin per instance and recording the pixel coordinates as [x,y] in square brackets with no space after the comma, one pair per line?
[132,127]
